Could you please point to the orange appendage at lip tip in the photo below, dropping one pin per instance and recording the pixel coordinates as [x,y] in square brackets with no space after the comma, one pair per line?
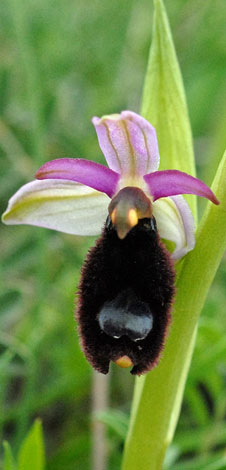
[124,362]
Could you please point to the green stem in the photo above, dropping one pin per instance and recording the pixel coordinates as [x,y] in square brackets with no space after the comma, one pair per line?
[158,395]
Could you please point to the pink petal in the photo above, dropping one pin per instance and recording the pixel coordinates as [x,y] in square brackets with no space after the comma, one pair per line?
[82,171]
[173,182]
[128,142]
[189,226]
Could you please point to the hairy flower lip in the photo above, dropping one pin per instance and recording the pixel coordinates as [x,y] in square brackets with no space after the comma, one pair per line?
[109,281]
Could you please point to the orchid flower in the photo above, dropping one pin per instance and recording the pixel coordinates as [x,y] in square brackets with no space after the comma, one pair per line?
[127,285]
[72,195]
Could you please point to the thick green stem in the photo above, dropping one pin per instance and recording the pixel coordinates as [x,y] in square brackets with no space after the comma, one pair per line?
[158,396]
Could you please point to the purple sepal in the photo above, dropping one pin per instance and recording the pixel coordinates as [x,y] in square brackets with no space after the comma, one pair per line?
[82,171]
[172,182]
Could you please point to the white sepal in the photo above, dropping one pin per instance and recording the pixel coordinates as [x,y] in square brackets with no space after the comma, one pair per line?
[59,205]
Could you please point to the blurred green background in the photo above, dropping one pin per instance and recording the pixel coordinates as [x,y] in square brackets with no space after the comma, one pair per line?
[60,64]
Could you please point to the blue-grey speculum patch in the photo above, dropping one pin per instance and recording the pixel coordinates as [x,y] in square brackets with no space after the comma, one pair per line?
[126,315]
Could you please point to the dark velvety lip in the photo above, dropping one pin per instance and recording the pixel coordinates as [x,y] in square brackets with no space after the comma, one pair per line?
[133,275]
